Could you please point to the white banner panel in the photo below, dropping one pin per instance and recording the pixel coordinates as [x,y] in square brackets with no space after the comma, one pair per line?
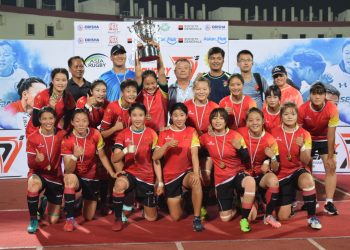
[94,40]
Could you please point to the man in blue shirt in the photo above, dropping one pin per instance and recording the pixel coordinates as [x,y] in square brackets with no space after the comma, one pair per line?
[254,84]
[217,77]
[117,74]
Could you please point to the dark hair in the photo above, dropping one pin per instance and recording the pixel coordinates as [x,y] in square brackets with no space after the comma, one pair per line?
[27,83]
[76,112]
[46,109]
[239,76]
[147,73]
[244,52]
[318,88]
[345,44]
[180,106]
[94,84]
[216,50]
[310,58]
[332,90]
[255,110]
[219,111]
[273,89]
[128,83]
[70,60]
[137,105]
[286,106]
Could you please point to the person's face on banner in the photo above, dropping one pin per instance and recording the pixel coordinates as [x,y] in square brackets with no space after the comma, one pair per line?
[183,71]
[30,94]
[346,56]
[280,79]
[77,68]
[118,59]
[245,63]
[332,98]
[216,61]
[7,60]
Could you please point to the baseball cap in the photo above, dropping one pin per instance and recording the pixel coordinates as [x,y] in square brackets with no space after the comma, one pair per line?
[118,49]
[279,70]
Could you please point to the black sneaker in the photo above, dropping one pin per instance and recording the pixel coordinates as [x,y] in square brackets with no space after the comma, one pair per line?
[197,224]
[330,208]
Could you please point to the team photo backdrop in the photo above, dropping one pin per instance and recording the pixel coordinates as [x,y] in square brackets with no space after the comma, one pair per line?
[306,60]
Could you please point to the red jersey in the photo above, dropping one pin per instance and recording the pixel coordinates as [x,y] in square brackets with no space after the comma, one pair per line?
[271,121]
[139,163]
[113,113]
[287,146]
[50,147]
[15,107]
[157,108]
[198,115]
[96,115]
[256,148]
[42,99]
[317,122]
[237,118]
[178,160]
[221,151]
[290,94]
[86,164]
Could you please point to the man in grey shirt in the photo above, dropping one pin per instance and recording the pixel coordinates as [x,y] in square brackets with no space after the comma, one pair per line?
[254,84]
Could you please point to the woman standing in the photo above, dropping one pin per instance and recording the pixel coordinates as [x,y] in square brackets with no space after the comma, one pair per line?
[237,104]
[44,162]
[228,151]
[133,147]
[79,149]
[57,98]
[179,146]
[294,144]
[263,153]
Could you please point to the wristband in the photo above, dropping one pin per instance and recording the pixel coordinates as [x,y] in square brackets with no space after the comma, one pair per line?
[88,107]
[302,149]
[125,151]
[207,170]
[160,184]
[74,158]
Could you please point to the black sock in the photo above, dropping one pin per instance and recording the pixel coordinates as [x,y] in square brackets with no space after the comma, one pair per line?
[118,200]
[205,199]
[271,199]
[103,191]
[310,202]
[33,201]
[69,198]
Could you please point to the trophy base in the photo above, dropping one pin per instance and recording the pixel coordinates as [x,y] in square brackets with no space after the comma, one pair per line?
[148,53]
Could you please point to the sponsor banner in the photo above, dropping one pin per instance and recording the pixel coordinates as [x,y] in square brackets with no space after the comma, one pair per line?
[342,141]
[94,40]
[13,156]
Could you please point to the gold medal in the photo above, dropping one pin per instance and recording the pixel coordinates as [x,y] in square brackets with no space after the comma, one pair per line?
[222,164]
[148,116]
[200,132]
[49,167]
[289,157]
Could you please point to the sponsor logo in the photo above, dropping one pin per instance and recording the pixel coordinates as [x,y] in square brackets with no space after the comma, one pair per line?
[9,150]
[180,27]
[192,59]
[344,98]
[218,27]
[164,27]
[345,143]
[129,40]
[113,40]
[191,27]
[222,39]
[219,39]
[343,85]
[308,118]
[113,28]
[180,40]
[96,60]
[211,143]
[88,27]
[207,27]
[171,40]
[88,40]
[192,40]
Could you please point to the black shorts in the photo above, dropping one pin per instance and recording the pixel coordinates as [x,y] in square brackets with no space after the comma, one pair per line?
[53,190]
[144,192]
[90,188]
[319,147]
[289,187]
[174,188]
[225,191]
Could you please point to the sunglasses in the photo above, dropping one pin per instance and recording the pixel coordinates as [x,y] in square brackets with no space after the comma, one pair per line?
[277,75]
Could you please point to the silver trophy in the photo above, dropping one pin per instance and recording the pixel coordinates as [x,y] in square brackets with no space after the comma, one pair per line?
[146,32]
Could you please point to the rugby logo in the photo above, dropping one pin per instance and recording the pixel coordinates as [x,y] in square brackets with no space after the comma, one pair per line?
[9,150]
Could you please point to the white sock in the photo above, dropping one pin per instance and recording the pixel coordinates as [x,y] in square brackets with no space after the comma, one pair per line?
[329,200]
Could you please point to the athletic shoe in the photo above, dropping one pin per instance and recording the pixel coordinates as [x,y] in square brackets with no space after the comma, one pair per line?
[127,208]
[314,223]
[70,225]
[118,225]
[42,207]
[330,208]
[33,226]
[245,228]
[270,220]
[197,224]
[204,214]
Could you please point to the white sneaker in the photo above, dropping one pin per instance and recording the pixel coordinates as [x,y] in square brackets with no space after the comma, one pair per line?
[314,223]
